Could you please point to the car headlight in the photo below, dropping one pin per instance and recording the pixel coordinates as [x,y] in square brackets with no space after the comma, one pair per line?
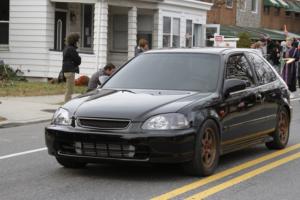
[171,121]
[61,117]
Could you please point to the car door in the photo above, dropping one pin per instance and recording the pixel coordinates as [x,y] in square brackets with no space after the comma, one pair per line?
[241,108]
[269,91]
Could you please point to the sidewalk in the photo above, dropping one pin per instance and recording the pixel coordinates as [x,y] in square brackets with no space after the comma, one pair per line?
[23,110]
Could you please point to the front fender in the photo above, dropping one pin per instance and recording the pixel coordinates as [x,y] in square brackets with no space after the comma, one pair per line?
[203,115]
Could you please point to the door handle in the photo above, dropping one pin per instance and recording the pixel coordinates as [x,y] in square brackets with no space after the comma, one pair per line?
[259,98]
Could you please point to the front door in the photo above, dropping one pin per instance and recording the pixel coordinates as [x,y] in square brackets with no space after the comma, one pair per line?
[211,30]
[269,92]
[240,121]
[197,36]
[60,30]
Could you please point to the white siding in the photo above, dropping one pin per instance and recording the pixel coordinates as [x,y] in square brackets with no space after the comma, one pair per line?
[158,30]
[88,66]
[100,32]
[29,36]
[132,31]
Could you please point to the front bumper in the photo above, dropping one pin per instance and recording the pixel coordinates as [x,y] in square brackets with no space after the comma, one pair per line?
[99,147]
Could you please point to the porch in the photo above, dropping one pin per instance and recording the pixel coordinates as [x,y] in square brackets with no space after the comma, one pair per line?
[110,29]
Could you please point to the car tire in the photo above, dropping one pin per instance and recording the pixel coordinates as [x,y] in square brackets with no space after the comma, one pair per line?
[206,152]
[282,132]
[69,163]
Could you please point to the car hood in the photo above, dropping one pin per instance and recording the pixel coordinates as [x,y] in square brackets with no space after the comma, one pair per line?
[133,105]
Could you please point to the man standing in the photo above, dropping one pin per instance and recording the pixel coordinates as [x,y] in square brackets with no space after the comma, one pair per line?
[94,82]
[298,63]
[289,71]
[71,62]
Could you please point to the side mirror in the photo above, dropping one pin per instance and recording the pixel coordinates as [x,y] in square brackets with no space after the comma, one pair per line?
[233,85]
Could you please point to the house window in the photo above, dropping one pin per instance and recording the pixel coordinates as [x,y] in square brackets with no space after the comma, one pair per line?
[254,5]
[277,12]
[87,26]
[171,32]
[176,33]
[297,15]
[288,13]
[189,34]
[229,3]
[167,32]
[145,28]
[4,22]
[120,32]
[267,10]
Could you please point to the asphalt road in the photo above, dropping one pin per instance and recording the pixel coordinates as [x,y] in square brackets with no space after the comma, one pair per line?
[253,173]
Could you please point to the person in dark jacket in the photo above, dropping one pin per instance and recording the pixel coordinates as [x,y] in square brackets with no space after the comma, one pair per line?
[298,63]
[289,71]
[275,56]
[94,82]
[71,62]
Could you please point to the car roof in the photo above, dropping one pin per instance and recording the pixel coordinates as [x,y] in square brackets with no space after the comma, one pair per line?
[209,50]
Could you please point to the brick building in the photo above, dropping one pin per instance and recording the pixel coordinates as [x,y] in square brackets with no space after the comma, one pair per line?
[260,18]
[222,12]
[276,14]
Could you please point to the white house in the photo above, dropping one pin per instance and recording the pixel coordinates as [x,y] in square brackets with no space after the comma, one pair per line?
[32,32]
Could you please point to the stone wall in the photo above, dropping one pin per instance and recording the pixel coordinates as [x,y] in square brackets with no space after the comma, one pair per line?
[248,18]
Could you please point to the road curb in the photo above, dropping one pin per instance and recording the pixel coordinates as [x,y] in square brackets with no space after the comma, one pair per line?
[15,124]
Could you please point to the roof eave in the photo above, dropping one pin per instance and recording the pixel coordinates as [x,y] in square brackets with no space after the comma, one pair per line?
[201,5]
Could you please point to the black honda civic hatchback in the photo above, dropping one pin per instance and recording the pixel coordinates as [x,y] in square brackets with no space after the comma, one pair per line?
[187,106]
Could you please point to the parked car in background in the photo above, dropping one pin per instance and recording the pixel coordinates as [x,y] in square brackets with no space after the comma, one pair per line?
[187,106]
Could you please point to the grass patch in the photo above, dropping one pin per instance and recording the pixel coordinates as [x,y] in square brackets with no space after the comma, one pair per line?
[35,89]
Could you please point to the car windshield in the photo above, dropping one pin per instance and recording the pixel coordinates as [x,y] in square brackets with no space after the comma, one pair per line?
[169,71]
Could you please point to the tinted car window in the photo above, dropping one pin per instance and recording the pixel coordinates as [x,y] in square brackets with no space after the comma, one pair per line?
[238,68]
[169,71]
[263,71]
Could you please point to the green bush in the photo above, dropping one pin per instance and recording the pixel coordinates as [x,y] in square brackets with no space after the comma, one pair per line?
[244,40]
[7,74]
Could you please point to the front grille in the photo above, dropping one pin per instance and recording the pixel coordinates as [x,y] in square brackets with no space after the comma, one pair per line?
[103,123]
[103,150]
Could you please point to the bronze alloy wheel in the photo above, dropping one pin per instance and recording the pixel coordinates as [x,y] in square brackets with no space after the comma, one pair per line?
[208,150]
[281,135]
[283,127]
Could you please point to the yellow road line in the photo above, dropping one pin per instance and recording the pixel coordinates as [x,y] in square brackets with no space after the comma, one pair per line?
[244,177]
[223,174]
